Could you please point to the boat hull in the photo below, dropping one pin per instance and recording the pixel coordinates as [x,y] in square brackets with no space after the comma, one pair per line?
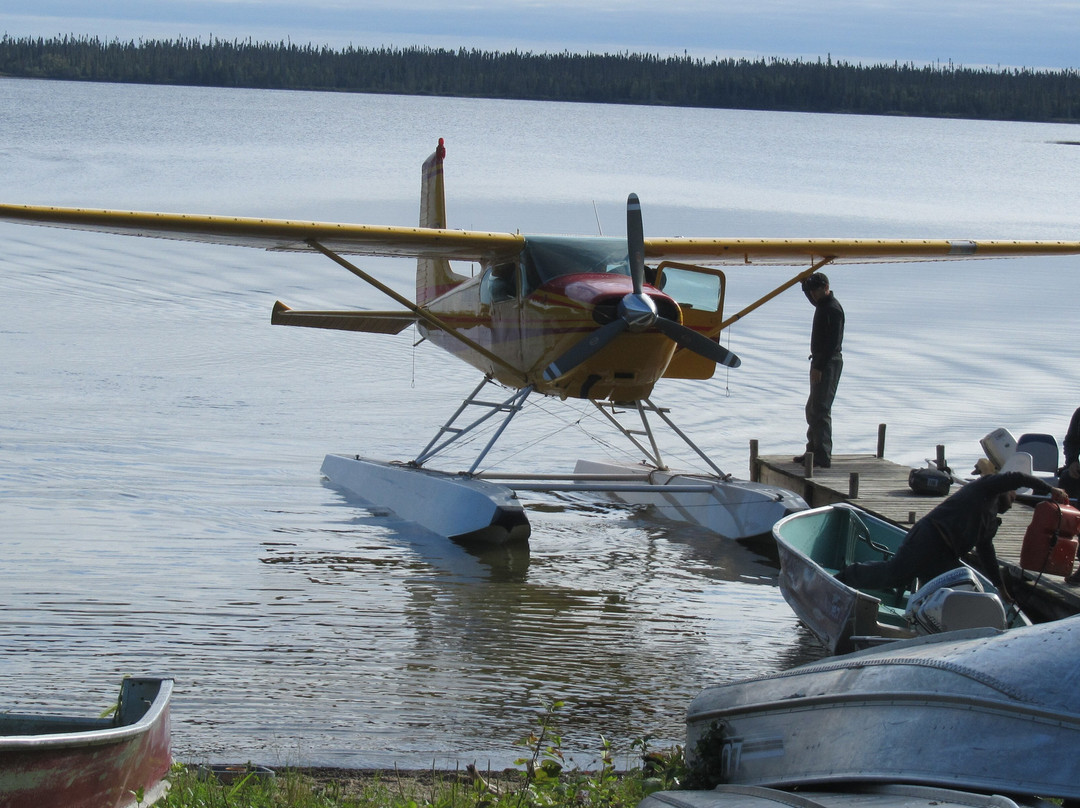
[867,796]
[734,509]
[980,709]
[460,507]
[53,762]
[812,545]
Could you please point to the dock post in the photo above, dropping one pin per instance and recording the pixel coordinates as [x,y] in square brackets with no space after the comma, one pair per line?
[853,485]
[880,441]
[808,465]
[754,476]
[911,517]
[941,456]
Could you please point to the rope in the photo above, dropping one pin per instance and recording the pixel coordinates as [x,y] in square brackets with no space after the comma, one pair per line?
[1054,536]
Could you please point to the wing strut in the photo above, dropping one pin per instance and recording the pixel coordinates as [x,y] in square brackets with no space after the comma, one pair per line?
[761,301]
[420,312]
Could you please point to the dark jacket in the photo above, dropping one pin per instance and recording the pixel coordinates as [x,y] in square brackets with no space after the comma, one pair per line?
[827,333]
[968,520]
[1071,443]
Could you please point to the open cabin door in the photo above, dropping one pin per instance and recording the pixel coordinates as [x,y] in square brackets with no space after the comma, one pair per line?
[699,291]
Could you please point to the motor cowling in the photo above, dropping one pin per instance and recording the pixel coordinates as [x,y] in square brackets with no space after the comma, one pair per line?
[1050,541]
[952,601]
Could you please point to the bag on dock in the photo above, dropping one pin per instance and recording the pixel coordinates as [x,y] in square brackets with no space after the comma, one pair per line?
[929,481]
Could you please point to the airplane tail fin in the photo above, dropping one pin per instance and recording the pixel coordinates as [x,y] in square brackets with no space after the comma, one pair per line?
[433,275]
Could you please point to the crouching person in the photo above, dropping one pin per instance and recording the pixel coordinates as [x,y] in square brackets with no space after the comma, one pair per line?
[966,521]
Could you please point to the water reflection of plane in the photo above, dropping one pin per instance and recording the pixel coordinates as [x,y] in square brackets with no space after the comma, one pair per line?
[618,614]
[467,561]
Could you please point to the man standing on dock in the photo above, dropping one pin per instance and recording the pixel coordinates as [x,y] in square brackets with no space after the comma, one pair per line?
[966,521]
[826,364]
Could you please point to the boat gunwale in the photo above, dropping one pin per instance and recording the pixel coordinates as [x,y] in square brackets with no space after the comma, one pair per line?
[906,698]
[92,737]
[824,510]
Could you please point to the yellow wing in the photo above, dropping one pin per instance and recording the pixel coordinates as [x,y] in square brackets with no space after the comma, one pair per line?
[277,234]
[808,251]
[474,245]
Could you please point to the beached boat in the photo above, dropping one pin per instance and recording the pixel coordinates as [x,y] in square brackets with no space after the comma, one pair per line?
[69,762]
[982,709]
[864,796]
[813,545]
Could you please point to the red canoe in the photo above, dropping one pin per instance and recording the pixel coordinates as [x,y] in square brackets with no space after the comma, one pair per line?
[67,762]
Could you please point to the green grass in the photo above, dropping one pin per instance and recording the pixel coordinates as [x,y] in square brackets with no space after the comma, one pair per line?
[295,788]
[542,781]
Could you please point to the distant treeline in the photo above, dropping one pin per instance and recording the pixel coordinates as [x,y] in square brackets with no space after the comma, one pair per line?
[765,84]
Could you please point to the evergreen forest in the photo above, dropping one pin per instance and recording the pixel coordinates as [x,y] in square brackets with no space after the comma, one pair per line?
[626,78]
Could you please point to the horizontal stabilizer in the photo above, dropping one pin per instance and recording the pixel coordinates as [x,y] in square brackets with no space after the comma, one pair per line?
[375,322]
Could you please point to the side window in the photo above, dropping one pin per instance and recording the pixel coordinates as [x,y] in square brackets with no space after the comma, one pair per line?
[692,289]
[499,284]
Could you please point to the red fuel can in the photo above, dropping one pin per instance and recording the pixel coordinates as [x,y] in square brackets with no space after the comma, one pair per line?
[1050,540]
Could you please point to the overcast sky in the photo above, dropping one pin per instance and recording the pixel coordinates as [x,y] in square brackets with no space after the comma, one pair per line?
[972,33]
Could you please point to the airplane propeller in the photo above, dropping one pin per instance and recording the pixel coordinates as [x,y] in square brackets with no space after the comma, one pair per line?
[637,312]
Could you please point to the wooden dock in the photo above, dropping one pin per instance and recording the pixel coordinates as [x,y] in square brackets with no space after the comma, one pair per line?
[881,487]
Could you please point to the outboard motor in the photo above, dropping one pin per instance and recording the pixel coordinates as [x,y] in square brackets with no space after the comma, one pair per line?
[954,600]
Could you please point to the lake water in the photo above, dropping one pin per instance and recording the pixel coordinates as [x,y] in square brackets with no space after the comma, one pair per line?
[160,442]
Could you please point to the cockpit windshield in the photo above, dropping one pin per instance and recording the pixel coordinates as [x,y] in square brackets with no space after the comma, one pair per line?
[548,257]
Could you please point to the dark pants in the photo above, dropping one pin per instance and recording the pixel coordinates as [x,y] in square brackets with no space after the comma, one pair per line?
[923,555]
[819,411]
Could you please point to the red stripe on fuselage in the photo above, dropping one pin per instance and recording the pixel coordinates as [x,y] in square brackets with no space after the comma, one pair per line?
[599,290]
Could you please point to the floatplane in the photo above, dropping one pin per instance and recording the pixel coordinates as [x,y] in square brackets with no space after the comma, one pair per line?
[579,317]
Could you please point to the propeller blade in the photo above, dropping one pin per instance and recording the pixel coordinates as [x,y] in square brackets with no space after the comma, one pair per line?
[637,312]
[635,242]
[688,338]
[584,348]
